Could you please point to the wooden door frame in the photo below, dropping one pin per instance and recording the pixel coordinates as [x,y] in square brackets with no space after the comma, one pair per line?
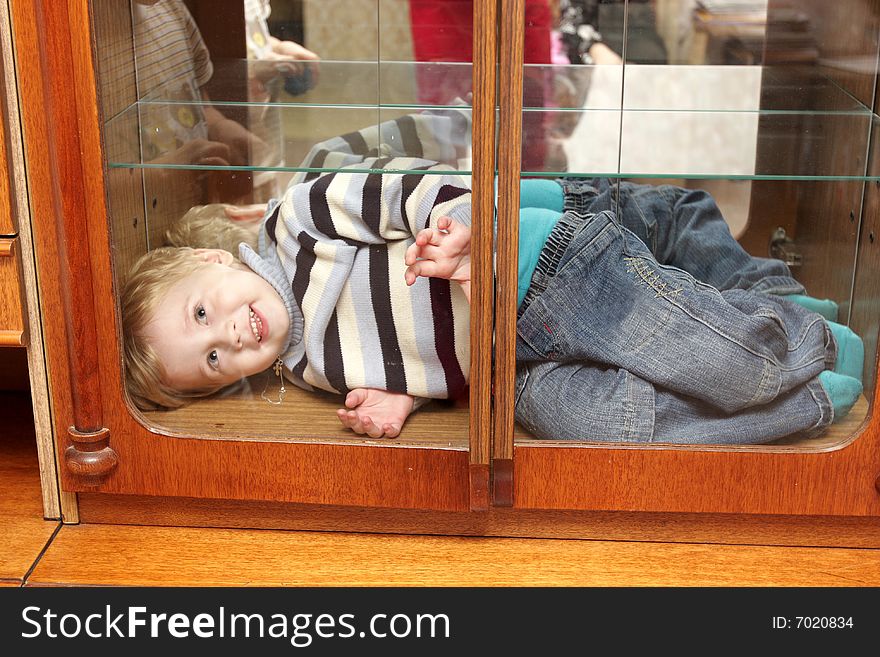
[839,481]
[105,446]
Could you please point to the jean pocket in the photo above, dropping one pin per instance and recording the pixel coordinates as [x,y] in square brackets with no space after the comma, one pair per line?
[536,333]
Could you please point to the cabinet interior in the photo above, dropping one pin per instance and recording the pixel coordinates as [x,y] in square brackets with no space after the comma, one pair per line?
[775,117]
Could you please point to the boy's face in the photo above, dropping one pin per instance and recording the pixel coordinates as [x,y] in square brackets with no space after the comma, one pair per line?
[217,325]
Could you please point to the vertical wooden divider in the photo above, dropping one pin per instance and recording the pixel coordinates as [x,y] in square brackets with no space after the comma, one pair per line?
[55,89]
[509,161]
[8,210]
[483,199]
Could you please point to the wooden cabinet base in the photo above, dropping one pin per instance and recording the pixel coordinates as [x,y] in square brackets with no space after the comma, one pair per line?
[733,529]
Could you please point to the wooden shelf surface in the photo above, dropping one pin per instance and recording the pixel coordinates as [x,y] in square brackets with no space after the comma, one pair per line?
[242,414]
[166,556]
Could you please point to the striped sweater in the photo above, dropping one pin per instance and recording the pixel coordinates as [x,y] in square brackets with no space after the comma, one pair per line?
[337,242]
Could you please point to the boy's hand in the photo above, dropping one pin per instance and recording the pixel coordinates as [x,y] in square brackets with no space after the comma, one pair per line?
[244,146]
[376,413]
[442,252]
[197,151]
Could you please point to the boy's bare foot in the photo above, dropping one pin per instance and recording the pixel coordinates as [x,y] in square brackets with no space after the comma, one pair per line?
[375,413]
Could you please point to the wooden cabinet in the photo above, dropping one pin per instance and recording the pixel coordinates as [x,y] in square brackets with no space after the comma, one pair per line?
[106,445]
[97,203]
[12,316]
[8,223]
[13,327]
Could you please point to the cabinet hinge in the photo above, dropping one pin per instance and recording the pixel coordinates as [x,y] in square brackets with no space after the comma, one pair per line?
[782,248]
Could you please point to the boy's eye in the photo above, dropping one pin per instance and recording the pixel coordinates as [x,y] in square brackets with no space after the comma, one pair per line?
[213,359]
[200,314]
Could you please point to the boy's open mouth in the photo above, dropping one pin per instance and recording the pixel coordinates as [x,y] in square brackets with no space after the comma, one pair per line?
[257,326]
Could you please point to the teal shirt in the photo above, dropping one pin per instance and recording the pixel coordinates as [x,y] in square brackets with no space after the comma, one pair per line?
[535,226]
[541,202]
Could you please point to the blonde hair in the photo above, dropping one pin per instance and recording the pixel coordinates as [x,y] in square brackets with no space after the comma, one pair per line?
[209,227]
[146,287]
[150,281]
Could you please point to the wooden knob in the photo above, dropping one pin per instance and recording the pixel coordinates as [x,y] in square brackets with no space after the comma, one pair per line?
[90,456]
[91,464]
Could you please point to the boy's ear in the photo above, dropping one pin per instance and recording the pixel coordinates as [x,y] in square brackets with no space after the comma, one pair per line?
[215,255]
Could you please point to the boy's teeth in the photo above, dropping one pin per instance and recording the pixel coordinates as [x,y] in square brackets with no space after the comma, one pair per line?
[256,325]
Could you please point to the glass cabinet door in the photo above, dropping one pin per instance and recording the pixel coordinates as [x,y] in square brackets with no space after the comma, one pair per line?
[695,179]
[324,136]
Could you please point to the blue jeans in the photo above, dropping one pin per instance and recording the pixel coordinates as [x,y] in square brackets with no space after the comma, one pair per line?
[682,342]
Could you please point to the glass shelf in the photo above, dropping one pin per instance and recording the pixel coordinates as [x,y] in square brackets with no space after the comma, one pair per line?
[401,84]
[731,145]
[283,138]
[618,121]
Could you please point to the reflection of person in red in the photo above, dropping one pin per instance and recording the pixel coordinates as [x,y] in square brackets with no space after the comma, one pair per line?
[442,31]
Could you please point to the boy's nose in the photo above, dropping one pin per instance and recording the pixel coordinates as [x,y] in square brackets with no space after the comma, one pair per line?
[234,335]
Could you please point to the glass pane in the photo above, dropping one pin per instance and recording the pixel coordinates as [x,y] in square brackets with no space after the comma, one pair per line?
[726,136]
[324,134]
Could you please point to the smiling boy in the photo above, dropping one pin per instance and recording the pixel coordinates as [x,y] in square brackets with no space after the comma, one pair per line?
[324,292]
[218,324]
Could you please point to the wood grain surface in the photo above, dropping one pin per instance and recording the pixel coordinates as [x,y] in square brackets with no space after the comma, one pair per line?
[242,414]
[840,36]
[483,201]
[8,219]
[509,165]
[151,556]
[865,310]
[12,311]
[840,478]
[124,555]
[116,77]
[52,501]
[733,529]
[24,533]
